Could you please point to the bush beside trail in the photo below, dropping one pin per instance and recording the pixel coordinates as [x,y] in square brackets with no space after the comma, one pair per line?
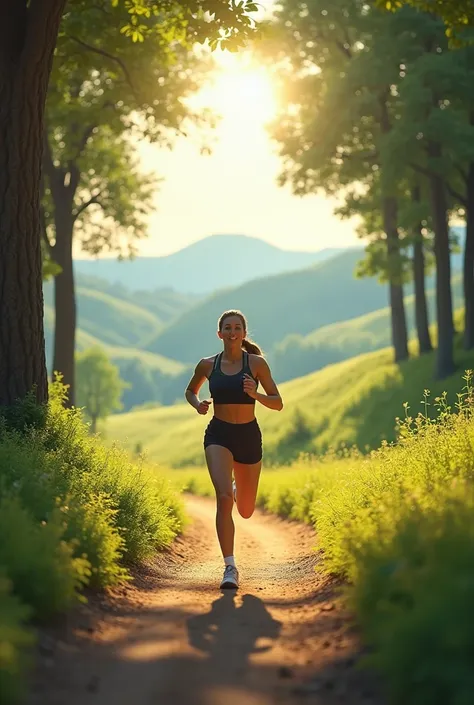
[398,526]
[72,514]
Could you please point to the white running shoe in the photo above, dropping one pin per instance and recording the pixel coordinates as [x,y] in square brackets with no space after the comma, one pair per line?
[231,578]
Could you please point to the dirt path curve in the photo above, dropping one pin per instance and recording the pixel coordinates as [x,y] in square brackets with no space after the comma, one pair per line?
[173,638]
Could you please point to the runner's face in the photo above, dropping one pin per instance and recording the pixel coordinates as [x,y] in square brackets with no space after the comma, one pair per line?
[232,331]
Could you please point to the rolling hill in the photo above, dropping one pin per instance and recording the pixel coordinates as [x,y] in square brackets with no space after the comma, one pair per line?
[293,302]
[341,341]
[164,302]
[116,353]
[351,403]
[209,264]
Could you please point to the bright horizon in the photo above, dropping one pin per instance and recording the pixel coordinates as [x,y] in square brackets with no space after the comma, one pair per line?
[234,190]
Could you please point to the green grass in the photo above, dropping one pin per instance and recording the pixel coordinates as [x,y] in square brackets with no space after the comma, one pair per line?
[373,330]
[298,355]
[352,403]
[154,361]
[73,513]
[115,321]
[398,526]
[85,340]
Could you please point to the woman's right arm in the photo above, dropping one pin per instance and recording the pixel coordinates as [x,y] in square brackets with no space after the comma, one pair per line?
[195,384]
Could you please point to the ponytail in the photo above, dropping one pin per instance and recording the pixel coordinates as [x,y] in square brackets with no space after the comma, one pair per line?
[251,347]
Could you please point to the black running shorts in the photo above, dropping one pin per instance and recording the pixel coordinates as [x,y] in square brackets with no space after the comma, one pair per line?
[244,440]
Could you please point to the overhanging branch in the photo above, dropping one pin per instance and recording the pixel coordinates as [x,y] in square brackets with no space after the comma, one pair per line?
[86,135]
[86,204]
[429,175]
[106,54]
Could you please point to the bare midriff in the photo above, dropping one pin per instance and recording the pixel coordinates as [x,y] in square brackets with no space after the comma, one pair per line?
[235,413]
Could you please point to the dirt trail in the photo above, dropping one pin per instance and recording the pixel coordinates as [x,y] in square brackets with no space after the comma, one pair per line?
[173,638]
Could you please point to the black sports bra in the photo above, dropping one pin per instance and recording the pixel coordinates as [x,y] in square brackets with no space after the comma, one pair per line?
[229,389]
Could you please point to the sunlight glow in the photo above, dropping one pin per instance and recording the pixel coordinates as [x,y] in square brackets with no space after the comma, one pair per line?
[240,90]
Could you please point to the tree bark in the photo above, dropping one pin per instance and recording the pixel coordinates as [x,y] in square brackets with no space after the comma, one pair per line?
[469,264]
[64,299]
[397,304]
[444,304]
[27,39]
[421,308]
[63,182]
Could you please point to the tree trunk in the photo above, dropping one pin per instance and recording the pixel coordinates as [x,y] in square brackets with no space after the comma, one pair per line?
[469,264]
[444,304]
[27,39]
[397,304]
[64,298]
[421,309]
[93,424]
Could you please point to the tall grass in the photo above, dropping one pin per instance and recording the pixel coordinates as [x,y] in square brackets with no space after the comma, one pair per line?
[72,514]
[398,526]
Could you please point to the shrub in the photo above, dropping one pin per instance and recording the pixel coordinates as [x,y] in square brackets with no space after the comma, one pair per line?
[15,641]
[72,513]
[398,525]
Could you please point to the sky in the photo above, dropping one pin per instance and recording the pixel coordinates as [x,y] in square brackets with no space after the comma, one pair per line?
[235,190]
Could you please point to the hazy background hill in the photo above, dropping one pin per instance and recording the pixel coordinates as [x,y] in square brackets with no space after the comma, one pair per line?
[293,302]
[212,263]
[305,320]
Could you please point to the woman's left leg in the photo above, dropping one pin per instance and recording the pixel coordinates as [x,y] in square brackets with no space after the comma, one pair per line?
[246,482]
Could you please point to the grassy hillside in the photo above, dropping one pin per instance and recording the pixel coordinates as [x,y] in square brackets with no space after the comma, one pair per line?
[352,403]
[117,353]
[374,328]
[299,355]
[276,306]
[165,303]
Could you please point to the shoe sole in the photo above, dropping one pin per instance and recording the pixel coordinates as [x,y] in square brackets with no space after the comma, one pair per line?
[228,585]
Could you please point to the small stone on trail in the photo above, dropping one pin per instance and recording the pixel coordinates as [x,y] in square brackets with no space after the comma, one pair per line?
[329,607]
[308,688]
[93,685]
[285,672]
[46,644]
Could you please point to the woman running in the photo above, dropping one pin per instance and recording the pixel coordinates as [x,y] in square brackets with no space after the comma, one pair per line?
[232,440]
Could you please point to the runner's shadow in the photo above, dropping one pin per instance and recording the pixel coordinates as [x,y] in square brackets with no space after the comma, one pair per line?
[233,630]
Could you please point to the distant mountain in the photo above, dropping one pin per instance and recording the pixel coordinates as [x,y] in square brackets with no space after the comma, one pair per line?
[213,263]
[292,302]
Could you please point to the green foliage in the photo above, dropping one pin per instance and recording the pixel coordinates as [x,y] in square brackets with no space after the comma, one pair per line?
[41,565]
[223,24]
[457,14]
[72,513]
[15,640]
[99,386]
[106,92]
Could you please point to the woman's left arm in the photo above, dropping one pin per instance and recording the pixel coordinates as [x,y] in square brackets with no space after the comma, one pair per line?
[272,398]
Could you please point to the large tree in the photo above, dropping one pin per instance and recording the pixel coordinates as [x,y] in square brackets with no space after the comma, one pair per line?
[434,135]
[28,37]
[341,63]
[104,93]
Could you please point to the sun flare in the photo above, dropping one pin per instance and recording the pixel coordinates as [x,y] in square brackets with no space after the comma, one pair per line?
[241,89]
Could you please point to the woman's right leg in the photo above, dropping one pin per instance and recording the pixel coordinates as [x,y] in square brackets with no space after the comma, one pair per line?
[220,463]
